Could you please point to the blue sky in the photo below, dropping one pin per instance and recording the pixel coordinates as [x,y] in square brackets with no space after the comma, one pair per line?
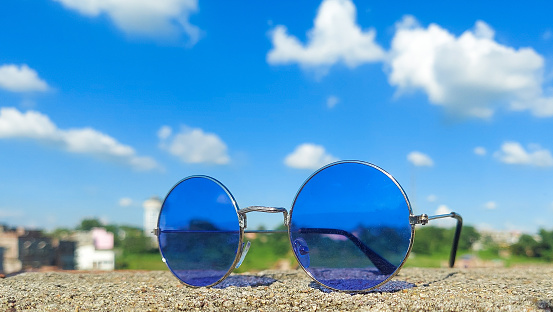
[104,104]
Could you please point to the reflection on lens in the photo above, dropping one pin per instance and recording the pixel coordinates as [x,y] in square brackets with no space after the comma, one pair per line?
[354,219]
[199,231]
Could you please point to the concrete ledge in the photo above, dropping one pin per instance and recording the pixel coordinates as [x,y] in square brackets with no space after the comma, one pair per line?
[495,289]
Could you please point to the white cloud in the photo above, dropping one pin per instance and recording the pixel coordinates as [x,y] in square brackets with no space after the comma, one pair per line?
[420,159]
[407,22]
[309,156]
[193,145]
[164,132]
[125,202]
[470,75]
[167,18]
[31,124]
[514,153]
[90,141]
[442,209]
[445,222]
[491,205]
[21,79]
[331,101]
[37,126]
[480,151]
[334,38]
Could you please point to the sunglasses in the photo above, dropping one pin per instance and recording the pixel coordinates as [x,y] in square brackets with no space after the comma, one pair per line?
[350,226]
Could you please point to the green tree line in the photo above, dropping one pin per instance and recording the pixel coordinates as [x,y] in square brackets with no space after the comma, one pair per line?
[432,239]
[540,246]
[134,250]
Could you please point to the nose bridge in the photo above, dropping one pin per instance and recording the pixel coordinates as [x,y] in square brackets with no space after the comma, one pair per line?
[242,213]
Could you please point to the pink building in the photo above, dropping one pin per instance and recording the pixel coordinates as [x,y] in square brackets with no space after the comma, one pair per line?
[102,239]
[95,250]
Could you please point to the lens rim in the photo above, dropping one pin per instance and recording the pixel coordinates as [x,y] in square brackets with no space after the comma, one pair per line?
[238,220]
[411,240]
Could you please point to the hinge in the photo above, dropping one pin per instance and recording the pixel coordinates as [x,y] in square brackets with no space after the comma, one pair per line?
[420,219]
[242,221]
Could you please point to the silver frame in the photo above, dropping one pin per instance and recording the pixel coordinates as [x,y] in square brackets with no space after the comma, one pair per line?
[422,219]
[239,248]
[408,206]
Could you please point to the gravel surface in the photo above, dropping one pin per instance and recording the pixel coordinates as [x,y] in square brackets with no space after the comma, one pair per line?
[414,289]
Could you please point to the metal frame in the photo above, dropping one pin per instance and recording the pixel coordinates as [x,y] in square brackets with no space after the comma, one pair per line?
[423,219]
[242,248]
[404,196]
[239,248]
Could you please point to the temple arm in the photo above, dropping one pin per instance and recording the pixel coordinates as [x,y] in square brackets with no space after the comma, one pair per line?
[423,219]
[380,263]
[383,265]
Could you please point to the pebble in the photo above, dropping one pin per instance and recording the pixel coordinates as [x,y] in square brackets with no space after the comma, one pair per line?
[525,288]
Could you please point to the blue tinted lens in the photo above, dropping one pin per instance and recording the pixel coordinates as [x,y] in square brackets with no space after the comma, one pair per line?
[199,231]
[350,226]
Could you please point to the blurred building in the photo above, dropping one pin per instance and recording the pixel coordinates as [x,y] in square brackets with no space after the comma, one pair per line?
[9,241]
[29,250]
[2,259]
[501,238]
[152,207]
[22,249]
[35,250]
[94,250]
[65,255]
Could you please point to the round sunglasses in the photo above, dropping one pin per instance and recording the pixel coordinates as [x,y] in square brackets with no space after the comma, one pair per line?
[350,226]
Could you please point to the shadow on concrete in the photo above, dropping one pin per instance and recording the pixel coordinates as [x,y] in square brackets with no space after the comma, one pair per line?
[389,287]
[245,281]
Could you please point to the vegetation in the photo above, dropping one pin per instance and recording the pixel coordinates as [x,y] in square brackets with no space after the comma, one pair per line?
[268,250]
[133,249]
[89,224]
[431,248]
[530,247]
[528,250]
[432,245]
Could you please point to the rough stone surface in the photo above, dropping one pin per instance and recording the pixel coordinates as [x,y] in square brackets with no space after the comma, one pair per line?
[413,289]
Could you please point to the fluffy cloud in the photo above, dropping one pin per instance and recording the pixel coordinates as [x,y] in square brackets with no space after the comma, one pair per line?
[334,38]
[442,209]
[480,151]
[20,79]
[164,132]
[471,74]
[309,156]
[420,159]
[513,153]
[167,18]
[193,145]
[445,222]
[37,126]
